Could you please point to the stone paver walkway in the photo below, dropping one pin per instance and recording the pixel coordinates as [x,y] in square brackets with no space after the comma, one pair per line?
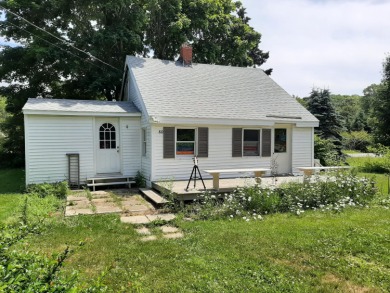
[103,202]
[168,232]
[134,209]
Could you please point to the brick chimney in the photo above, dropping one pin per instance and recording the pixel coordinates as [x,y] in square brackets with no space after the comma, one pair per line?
[186,54]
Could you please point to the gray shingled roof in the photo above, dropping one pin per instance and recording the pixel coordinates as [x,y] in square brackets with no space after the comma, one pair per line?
[80,106]
[212,91]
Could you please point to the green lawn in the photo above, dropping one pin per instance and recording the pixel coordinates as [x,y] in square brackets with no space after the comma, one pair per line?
[11,180]
[322,252]
[315,252]
[9,206]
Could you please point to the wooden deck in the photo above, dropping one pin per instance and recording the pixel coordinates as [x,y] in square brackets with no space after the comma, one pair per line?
[225,185]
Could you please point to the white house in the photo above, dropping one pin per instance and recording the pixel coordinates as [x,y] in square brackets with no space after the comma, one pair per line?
[230,117]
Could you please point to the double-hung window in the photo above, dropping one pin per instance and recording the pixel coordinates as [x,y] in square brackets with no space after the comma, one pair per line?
[251,142]
[185,141]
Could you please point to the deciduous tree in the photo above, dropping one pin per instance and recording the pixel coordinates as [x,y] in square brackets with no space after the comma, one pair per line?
[381,105]
[99,34]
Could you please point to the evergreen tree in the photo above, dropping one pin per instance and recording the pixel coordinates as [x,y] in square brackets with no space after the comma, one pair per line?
[320,105]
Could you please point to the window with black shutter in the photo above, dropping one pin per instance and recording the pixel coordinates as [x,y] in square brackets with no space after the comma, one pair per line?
[203,142]
[237,142]
[169,142]
[185,142]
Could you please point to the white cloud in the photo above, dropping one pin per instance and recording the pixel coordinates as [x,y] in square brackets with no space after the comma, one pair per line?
[338,45]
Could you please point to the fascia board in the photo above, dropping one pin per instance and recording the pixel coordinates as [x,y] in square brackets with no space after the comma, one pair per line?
[74,113]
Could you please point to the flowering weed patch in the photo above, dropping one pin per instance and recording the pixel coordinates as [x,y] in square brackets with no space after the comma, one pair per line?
[326,193]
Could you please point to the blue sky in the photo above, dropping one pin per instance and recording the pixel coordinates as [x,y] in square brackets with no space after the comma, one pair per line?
[335,44]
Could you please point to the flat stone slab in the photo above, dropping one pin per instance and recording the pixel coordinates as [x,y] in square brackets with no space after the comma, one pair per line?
[76,198]
[136,207]
[102,200]
[173,235]
[163,217]
[79,204]
[135,220]
[169,229]
[76,212]
[100,193]
[143,231]
[107,209]
[149,238]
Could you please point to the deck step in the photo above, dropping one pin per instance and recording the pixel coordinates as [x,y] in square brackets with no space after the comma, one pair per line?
[153,196]
[109,180]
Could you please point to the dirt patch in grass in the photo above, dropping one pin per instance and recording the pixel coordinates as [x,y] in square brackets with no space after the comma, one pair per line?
[296,265]
[344,285]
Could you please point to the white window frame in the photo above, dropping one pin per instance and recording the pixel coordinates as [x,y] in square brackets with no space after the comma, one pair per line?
[195,142]
[243,151]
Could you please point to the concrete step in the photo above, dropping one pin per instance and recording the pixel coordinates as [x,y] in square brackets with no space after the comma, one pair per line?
[153,196]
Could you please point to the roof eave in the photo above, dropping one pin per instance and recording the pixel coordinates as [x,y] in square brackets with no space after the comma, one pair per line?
[229,121]
[78,113]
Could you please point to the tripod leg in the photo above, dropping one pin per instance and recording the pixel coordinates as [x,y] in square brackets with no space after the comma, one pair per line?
[189,180]
[195,168]
[200,177]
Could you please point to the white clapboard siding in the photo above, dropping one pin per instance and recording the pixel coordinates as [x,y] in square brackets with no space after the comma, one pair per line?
[146,161]
[130,146]
[219,157]
[134,95]
[49,139]
[302,147]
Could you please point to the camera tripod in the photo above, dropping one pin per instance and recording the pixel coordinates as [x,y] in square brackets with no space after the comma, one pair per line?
[193,174]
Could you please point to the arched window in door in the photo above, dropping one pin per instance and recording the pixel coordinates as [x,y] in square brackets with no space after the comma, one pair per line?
[107,136]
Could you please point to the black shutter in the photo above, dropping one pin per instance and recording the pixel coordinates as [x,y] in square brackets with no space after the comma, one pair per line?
[203,142]
[266,143]
[237,142]
[169,142]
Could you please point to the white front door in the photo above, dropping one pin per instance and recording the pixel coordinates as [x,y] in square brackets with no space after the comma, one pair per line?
[282,150]
[107,148]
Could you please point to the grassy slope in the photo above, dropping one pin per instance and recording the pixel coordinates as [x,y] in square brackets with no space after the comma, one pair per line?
[381,179]
[315,252]
[321,252]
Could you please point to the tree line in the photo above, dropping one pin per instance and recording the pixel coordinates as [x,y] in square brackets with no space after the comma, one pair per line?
[351,122]
[98,35]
